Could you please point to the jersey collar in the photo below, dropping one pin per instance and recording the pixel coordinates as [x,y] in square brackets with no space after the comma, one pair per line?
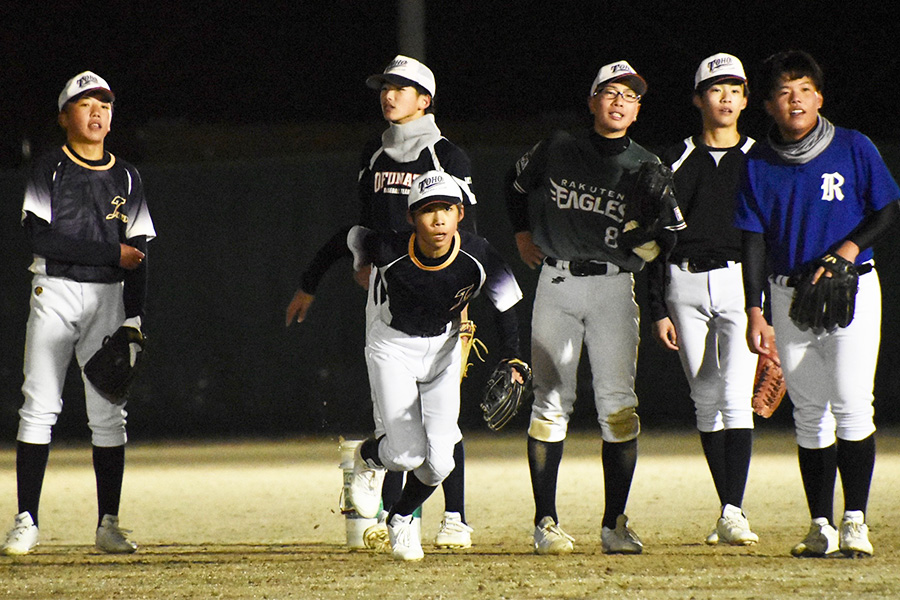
[95,165]
[446,259]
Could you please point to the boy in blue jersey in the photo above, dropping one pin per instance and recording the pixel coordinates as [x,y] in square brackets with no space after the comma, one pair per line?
[815,189]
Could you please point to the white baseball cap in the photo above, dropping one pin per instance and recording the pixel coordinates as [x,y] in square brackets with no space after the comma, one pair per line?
[617,72]
[404,71]
[81,83]
[433,186]
[719,67]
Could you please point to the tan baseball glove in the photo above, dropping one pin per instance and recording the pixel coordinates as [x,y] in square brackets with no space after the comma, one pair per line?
[768,386]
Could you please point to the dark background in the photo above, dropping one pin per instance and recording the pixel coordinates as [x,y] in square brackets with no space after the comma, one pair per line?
[246,123]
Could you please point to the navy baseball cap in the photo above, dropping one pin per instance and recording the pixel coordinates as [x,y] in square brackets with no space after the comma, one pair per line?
[619,72]
[83,83]
[431,187]
[719,67]
[404,71]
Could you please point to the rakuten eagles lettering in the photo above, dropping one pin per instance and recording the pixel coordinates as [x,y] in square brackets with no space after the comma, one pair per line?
[589,198]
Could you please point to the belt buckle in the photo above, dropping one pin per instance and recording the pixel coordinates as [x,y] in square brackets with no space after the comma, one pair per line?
[578,268]
[704,265]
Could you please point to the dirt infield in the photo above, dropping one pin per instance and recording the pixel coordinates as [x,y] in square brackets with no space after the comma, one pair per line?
[261,520]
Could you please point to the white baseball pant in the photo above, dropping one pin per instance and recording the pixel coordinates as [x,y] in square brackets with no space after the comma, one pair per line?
[415,386]
[830,376]
[67,315]
[599,312]
[707,310]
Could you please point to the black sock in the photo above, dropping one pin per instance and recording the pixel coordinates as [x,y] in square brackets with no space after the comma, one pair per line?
[31,464]
[619,460]
[109,467]
[391,489]
[818,469]
[415,493]
[856,461]
[738,447]
[368,450]
[454,485]
[543,462]
[713,443]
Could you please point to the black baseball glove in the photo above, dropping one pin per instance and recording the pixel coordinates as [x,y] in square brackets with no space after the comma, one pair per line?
[650,208]
[503,395]
[831,301]
[113,367]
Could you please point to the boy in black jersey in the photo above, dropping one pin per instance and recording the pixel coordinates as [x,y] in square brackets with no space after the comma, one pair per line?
[422,284]
[566,200]
[411,145]
[696,297]
[88,225]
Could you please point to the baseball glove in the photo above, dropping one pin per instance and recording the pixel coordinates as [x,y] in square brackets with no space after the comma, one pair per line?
[831,301]
[113,367]
[468,341]
[503,395]
[650,207]
[768,385]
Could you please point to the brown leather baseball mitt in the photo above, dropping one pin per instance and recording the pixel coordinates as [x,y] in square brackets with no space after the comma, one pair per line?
[769,386]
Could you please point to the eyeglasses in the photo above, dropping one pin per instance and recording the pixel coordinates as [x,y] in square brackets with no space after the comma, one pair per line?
[610,94]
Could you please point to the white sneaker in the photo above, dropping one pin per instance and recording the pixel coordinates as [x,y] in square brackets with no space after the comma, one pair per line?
[821,540]
[855,535]
[365,487]
[733,527]
[621,540]
[23,537]
[113,539]
[405,544]
[549,538]
[376,536]
[453,533]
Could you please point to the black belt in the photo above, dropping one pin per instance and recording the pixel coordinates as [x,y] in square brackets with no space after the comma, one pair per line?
[701,265]
[579,268]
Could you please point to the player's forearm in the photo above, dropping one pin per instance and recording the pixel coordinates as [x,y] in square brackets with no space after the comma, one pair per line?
[331,251]
[874,226]
[753,266]
[507,323]
[516,204]
[134,293]
[61,248]
[656,289]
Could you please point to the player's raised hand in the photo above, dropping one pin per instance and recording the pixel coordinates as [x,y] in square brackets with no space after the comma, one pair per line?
[665,334]
[531,253]
[130,257]
[298,307]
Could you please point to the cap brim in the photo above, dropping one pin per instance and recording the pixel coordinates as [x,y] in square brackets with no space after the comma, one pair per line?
[376,81]
[104,94]
[434,200]
[719,79]
[632,80]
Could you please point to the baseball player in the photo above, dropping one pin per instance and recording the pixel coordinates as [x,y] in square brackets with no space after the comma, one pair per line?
[811,190]
[88,225]
[411,145]
[422,283]
[696,296]
[567,205]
